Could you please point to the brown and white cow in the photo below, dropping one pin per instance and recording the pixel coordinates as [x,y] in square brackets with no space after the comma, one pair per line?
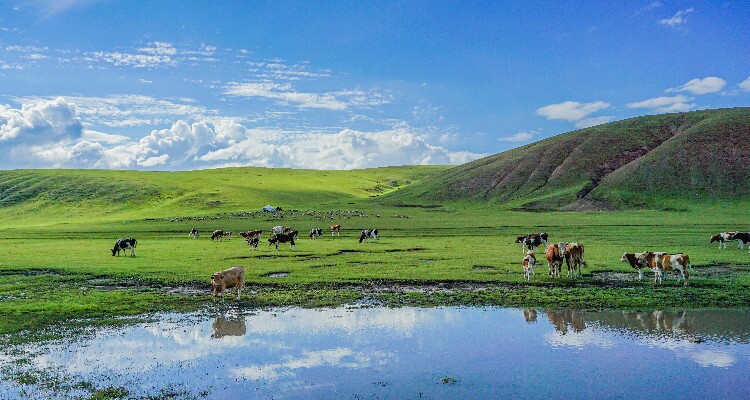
[227,279]
[722,238]
[247,235]
[335,230]
[278,229]
[528,263]
[574,259]
[661,262]
[554,253]
[634,262]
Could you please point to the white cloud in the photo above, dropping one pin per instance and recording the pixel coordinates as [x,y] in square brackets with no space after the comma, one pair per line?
[570,110]
[679,18]
[285,93]
[520,137]
[745,85]
[649,7]
[710,84]
[589,122]
[665,104]
[40,122]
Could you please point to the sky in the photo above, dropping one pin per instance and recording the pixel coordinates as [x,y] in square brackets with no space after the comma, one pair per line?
[184,85]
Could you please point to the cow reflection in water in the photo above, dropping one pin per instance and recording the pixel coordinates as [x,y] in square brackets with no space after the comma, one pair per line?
[228,326]
[562,319]
[529,314]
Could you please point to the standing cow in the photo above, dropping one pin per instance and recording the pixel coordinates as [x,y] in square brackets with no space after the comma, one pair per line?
[316,233]
[283,238]
[227,279]
[574,259]
[368,234]
[554,254]
[335,230]
[528,263]
[218,234]
[124,244]
[530,242]
[194,233]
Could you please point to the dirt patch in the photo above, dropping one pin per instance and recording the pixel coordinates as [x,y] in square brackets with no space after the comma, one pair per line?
[719,271]
[405,250]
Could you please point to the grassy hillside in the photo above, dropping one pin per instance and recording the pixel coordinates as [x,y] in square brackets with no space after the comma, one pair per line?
[29,197]
[649,162]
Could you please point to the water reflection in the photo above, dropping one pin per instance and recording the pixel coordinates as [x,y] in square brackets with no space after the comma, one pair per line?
[406,352]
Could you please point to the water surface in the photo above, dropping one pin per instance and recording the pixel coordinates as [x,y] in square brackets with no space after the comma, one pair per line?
[451,352]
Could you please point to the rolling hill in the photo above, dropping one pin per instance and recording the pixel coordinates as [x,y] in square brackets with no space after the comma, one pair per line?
[643,162]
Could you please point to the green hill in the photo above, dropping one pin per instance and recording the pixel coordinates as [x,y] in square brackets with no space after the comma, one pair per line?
[644,162]
[29,197]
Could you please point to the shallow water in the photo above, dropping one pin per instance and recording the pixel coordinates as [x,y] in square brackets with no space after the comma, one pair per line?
[411,353]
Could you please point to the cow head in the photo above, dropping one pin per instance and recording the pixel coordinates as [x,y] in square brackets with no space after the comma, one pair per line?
[273,240]
[217,282]
[362,236]
[114,251]
[715,238]
[625,257]
[543,237]
[520,239]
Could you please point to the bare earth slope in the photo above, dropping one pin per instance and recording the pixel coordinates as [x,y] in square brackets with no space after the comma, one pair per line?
[638,162]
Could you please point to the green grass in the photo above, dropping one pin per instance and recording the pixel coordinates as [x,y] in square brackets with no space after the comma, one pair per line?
[56,264]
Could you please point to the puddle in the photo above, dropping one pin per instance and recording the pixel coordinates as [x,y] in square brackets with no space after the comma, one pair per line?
[449,352]
[277,275]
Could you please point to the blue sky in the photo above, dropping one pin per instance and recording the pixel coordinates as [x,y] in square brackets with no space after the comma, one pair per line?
[176,85]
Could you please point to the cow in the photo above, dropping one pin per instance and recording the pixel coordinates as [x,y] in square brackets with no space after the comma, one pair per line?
[574,259]
[368,234]
[335,230]
[253,242]
[528,263]
[227,279]
[124,244]
[634,262]
[652,260]
[218,234]
[664,262]
[722,238]
[554,253]
[283,238]
[530,242]
[316,233]
[251,234]
[742,238]
[228,234]
[194,233]
[280,229]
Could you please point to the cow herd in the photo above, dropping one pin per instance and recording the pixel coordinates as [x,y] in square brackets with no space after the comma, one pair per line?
[555,253]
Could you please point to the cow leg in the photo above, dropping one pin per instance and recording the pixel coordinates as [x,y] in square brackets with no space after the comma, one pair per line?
[640,274]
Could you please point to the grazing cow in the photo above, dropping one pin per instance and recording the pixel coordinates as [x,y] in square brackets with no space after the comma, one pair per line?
[335,230]
[554,253]
[227,279]
[368,234]
[194,233]
[530,242]
[528,263]
[316,233]
[251,234]
[253,242]
[722,238]
[218,234]
[742,238]
[574,259]
[124,244]
[634,262]
[228,234]
[283,238]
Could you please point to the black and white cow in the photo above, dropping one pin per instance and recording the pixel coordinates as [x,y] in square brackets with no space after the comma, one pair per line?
[218,234]
[368,234]
[283,238]
[316,233]
[194,233]
[530,242]
[124,244]
[253,242]
[742,238]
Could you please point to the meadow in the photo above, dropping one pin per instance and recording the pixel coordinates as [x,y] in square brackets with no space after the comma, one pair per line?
[56,264]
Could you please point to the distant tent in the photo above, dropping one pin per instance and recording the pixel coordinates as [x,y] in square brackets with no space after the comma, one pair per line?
[270,209]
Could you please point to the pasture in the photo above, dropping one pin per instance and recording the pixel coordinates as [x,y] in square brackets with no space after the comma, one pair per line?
[455,255]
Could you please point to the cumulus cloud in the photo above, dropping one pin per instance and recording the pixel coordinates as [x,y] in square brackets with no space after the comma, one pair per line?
[41,122]
[520,137]
[570,110]
[679,18]
[710,84]
[665,104]
[745,85]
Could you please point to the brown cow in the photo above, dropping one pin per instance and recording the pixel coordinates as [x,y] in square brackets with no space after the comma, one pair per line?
[229,278]
[574,259]
[528,263]
[554,254]
[336,230]
[251,234]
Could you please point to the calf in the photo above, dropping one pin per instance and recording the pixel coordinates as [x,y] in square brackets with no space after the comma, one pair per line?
[253,242]
[283,238]
[554,254]
[722,238]
[194,233]
[528,263]
[124,244]
[368,234]
[316,233]
[634,262]
[218,234]
[574,259]
[335,230]
[227,279]
[529,242]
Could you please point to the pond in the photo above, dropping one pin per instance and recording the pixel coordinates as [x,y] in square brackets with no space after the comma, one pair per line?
[449,352]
